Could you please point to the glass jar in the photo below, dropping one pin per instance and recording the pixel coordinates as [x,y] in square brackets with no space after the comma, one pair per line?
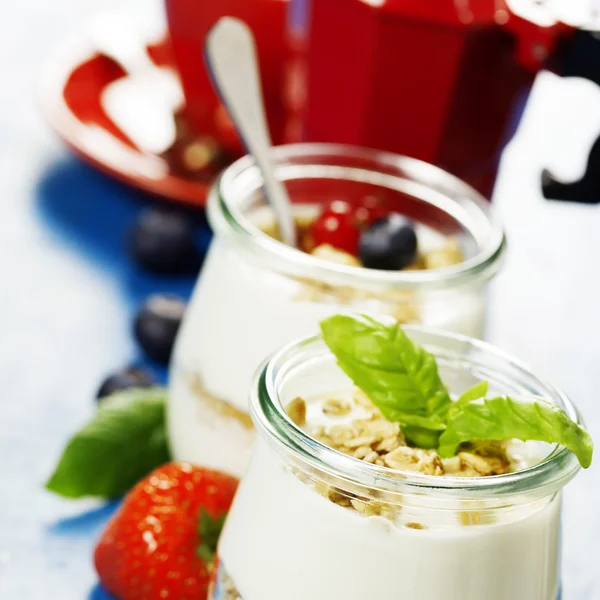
[311,522]
[255,294]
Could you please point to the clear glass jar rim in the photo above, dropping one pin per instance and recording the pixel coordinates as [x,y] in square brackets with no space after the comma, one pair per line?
[228,220]
[275,425]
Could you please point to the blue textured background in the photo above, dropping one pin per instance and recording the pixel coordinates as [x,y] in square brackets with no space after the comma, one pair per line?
[85,329]
[67,298]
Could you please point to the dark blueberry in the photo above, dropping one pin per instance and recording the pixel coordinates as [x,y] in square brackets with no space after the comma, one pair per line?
[163,242]
[389,243]
[131,377]
[156,326]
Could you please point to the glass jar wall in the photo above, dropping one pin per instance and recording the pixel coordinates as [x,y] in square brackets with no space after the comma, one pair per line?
[311,522]
[255,294]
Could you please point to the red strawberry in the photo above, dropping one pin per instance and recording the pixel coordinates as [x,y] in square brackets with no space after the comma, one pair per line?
[161,542]
[335,226]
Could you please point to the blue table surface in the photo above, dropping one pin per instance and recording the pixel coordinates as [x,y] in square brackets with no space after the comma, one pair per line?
[68,295]
[69,291]
[78,316]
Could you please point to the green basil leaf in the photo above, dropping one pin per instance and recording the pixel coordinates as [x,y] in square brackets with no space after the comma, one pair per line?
[124,442]
[478,391]
[506,418]
[400,377]
[421,437]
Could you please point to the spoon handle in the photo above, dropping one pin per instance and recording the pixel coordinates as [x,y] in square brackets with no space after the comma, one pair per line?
[231,57]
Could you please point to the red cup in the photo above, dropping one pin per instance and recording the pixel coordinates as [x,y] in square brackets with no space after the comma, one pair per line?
[189,21]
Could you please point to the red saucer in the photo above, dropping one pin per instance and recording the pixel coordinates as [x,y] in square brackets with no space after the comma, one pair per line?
[70,96]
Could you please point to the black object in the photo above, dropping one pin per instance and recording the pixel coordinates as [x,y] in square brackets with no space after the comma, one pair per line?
[586,190]
[156,326]
[163,242]
[578,57]
[389,243]
[131,377]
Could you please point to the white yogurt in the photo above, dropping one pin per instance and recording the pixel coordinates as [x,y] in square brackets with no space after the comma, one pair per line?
[238,315]
[283,540]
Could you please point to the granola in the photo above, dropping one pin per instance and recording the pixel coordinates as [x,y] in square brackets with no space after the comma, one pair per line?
[479,459]
[404,458]
[401,304]
[297,411]
[354,426]
[218,405]
[367,435]
[327,252]
[450,253]
[225,587]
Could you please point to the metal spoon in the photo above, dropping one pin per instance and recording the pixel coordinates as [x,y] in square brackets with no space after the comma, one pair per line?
[231,58]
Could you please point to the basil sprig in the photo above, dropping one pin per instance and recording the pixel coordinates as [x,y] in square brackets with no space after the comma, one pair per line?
[402,380]
[125,440]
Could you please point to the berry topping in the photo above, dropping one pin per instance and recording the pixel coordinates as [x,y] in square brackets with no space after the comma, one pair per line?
[389,244]
[336,226]
[163,242]
[156,326]
[161,543]
[131,377]
[368,212]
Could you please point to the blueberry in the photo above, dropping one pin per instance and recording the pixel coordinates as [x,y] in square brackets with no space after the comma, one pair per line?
[389,243]
[156,326]
[131,377]
[163,242]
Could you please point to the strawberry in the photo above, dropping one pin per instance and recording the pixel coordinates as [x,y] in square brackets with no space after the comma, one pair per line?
[161,542]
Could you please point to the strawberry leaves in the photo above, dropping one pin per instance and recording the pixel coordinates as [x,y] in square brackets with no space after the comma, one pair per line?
[209,530]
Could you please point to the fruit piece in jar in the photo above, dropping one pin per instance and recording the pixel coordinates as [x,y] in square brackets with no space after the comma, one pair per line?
[162,541]
[435,250]
[388,244]
[156,326]
[336,226]
[163,242]
[131,377]
[369,211]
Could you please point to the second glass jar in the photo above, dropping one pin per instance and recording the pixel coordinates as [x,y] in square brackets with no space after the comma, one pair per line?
[255,294]
[311,522]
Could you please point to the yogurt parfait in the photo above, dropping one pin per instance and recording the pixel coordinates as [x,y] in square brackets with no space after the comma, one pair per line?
[400,463]
[377,232]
